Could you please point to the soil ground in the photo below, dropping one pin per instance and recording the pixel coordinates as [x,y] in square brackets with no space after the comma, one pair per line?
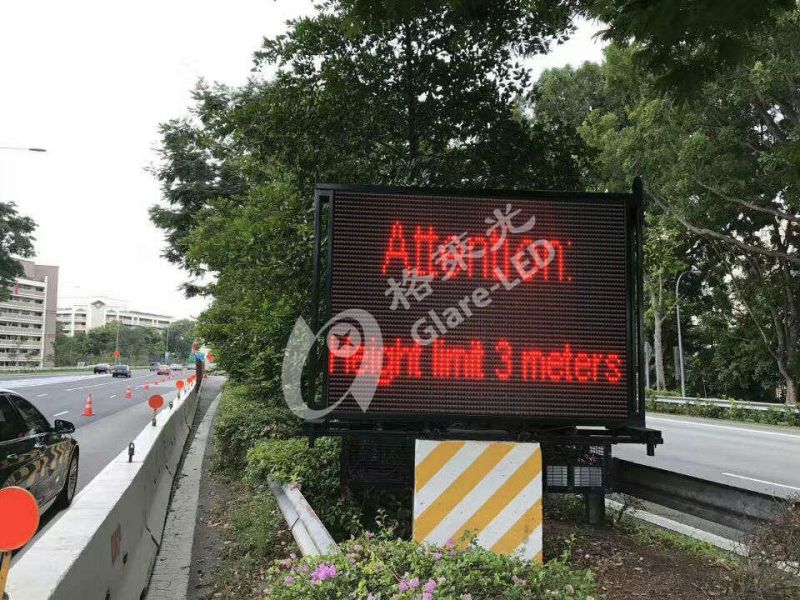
[219,568]
[627,568]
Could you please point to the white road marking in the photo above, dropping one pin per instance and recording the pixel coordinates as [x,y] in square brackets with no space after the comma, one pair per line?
[63,412]
[796,436]
[114,396]
[41,395]
[783,485]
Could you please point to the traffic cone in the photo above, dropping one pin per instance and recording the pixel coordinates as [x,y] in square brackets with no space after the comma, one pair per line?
[87,408]
[146,385]
[128,393]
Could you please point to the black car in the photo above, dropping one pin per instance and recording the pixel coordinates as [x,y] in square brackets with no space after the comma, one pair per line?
[102,368]
[36,456]
[121,371]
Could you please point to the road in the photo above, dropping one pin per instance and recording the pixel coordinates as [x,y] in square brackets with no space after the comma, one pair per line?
[116,421]
[758,457]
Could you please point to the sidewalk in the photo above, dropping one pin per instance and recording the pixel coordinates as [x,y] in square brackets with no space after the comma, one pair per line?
[171,573]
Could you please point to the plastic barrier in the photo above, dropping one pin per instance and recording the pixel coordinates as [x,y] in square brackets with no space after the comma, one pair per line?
[105,545]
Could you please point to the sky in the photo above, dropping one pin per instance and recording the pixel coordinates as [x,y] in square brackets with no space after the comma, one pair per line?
[90,81]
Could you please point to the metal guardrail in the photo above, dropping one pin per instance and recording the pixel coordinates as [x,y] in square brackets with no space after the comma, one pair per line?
[764,406]
[727,505]
[308,531]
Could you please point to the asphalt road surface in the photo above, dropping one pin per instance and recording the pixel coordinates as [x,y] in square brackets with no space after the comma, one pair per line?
[117,420]
[757,457]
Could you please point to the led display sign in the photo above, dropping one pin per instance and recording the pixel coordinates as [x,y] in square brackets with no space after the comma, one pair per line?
[501,306]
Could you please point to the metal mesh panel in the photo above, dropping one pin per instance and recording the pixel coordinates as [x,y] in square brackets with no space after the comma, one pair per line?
[378,461]
[576,468]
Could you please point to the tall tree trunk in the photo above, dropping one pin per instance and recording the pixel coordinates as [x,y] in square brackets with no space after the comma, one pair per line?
[792,387]
[658,346]
[791,392]
[658,349]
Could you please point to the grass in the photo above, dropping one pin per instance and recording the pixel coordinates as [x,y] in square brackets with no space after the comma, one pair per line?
[570,508]
[650,535]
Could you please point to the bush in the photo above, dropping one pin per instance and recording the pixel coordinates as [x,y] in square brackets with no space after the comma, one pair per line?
[316,469]
[379,569]
[257,524]
[778,415]
[244,418]
[772,567]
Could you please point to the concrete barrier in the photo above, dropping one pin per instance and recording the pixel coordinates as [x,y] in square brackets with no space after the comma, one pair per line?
[105,545]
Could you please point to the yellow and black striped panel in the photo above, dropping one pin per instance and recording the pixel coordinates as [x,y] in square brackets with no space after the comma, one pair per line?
[491,491]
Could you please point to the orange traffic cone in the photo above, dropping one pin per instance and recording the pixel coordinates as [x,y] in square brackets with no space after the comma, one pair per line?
[87,408]
[128,393]
[146,385]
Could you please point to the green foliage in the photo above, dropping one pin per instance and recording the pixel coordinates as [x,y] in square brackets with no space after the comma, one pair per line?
[655,537]
[137,345]
[772,416]
[316,469]
[382,568]
[16,239]
[243,419]
[179,339]
[724,167]
[685,42]
[256,521]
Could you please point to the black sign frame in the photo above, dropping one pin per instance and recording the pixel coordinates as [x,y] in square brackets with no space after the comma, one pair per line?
[325,195]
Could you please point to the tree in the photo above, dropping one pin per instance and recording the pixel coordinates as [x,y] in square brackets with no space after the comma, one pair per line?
[725,166]
[681,43]
[179,338]
[137,345]
[426,97]
[16,239]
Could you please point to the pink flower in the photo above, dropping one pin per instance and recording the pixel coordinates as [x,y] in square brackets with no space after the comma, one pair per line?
[437,556]
[427,596]
[323,572]
[369,535]
[288,580]
[358,547]
[372,597]
[517,580]
[407,584]
[430,586]
[450,543]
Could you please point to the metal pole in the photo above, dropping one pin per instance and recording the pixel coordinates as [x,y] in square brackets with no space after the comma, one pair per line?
[680,339]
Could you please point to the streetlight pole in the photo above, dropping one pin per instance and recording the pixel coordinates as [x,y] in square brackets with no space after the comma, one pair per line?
[166,343]
[680,339]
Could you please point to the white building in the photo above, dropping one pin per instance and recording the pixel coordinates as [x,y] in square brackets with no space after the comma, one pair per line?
[28,318]
[85,315]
